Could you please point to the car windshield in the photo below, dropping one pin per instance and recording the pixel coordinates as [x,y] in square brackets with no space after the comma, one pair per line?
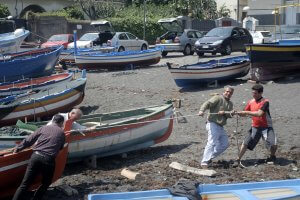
[219,32]
[89,37]
[55,38]
[266,34]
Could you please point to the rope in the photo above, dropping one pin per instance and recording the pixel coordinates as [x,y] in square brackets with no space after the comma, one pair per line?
[150,121]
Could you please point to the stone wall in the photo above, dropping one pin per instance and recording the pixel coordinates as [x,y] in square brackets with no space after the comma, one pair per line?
[43,27]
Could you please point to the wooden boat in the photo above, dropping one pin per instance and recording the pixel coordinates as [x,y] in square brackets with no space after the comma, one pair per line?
[13,167]
[28,64]
[67,55]
[163,194]
[212,70]
[115,133]
[269,190]
[271,61]
[34,84]
[112,60]
[31,106]
[10,37]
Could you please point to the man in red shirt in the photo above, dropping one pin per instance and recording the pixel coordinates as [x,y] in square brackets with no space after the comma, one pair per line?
[258,109]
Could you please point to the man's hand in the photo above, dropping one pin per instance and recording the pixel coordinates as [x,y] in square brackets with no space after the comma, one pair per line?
[201,113]
[221,112]
[15,150]
[242,113]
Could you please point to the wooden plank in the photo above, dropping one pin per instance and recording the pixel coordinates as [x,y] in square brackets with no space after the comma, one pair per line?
[181,167]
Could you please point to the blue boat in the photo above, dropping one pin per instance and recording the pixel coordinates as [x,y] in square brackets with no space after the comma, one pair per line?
[10,37]
[269,190]
[28,64]
[212,70]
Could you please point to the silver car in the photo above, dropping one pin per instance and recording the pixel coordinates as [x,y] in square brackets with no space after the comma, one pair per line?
[121,41]
[177,39]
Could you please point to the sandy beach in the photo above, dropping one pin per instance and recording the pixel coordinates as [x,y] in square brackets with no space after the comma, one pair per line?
[121,90]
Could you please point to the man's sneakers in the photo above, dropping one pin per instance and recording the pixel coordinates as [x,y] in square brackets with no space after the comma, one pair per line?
[206,165]
[238,163]
[271,160]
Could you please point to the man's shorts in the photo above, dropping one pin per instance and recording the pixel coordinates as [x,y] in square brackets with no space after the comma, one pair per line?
[267,134]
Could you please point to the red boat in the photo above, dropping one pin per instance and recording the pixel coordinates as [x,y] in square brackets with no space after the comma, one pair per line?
[13,167]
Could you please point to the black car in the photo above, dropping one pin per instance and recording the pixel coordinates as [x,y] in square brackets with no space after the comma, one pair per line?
[223,40]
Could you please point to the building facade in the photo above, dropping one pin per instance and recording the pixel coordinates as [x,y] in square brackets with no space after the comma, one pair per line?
[235,7]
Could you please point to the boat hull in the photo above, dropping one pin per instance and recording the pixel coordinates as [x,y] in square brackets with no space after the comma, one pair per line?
[35,84]
[271,190]
[123,138]
[11,42]
[29,64]
[192,75]
[271,61]
[13,167]
[46,103]
[117,59]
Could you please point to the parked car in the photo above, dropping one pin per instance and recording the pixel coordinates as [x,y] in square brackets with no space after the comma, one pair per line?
[86,41]
[261,37]
[122,41]
[177,39]
[223,40]
[59,39]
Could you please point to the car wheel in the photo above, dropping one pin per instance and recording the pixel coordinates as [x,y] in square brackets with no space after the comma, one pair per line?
[187,50]
[121,49]
[144,47]
[192,53]
[214,53]
[164,53]
[227,49]
[200,54]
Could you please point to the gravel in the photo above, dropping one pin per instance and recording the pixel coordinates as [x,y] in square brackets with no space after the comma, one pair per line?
[120,90]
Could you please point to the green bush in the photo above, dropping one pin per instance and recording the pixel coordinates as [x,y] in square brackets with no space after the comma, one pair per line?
[4,12]
[68,13]
[131,19]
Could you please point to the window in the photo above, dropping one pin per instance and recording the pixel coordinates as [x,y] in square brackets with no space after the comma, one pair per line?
[190,34]
[123,36]
[131,36]
[198,34]
[242,32]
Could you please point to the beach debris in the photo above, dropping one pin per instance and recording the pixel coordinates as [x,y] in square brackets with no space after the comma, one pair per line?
[181,167]
[130,174]
[91,161]
[66,189]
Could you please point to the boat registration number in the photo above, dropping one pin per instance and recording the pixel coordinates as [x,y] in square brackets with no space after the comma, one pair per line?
[205,46]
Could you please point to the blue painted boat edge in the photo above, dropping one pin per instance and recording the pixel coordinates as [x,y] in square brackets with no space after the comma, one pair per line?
[215,188]
[146,195]
[189,82]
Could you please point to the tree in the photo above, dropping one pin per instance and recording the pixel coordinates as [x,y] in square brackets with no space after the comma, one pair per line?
[201,9]
[224,11]
[4,12]
[97,9]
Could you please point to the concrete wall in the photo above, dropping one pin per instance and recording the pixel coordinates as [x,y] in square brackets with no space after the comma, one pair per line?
[48,5]
[45,26]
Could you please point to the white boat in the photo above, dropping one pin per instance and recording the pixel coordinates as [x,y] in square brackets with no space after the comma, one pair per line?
[205,72]
[10,37]
[114,60]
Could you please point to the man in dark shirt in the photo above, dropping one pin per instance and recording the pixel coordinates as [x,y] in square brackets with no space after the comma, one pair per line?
[47,141]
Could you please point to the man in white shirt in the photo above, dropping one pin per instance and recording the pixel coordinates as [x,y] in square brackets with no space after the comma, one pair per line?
[75,114]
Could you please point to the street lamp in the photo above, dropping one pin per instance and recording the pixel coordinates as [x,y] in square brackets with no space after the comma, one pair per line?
[144,35]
